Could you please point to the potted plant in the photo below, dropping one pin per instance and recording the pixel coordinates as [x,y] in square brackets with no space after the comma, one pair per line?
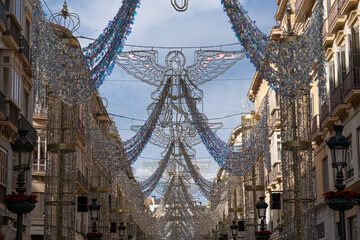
[341,200]
[262,235]
[20,202]
[94,236]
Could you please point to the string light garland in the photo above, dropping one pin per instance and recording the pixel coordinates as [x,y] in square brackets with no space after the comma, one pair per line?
[288,68]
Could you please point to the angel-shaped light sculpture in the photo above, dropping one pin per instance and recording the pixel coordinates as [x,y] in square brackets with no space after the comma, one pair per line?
[175,128]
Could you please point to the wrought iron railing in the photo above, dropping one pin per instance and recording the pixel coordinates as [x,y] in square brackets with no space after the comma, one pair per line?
[14,31]
[12,113]
[81,179]
[325,112]
[352,81]
[336,97]
[24,48]
[39,166]
[2,103]
[315,125]
[26,125]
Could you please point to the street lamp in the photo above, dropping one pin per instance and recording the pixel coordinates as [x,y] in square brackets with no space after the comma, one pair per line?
[22,149]
[261,207]
[234,229]
[338,145]
[94,213]
[122,229]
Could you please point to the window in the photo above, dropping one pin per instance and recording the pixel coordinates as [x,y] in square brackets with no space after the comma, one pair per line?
[16,85]
[331,76]
[353,229]
[326,174]
[3,172]
[320,231]
[27,31]
[355,47]
[6,81]
[26,105]
[279,150]
[341,65]
[18,10]
[350,162]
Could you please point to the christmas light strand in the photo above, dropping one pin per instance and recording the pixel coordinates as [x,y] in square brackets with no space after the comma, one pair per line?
[288,68]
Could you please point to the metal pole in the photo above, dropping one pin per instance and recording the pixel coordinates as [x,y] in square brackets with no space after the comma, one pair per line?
[20,189]
[19,227]
[342,228]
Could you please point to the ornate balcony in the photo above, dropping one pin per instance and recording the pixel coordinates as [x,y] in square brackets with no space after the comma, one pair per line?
[352,85]
[25,124]
[325,112]
[12,113]
[337,101]
[12,35]
[24,48]
[336,20]
[81,181]
[316,129]
[347,5]
[38,167]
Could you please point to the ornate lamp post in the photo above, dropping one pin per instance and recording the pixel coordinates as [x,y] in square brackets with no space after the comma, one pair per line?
[261,207]
[94,209]
[122,229]
[22,148]
[338,145]
[234,229]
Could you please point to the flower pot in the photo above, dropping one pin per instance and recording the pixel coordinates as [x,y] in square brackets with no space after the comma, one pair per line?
[262,237]
[20,207]
[341,204]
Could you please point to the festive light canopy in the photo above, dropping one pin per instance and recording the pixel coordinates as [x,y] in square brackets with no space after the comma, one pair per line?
[288,67]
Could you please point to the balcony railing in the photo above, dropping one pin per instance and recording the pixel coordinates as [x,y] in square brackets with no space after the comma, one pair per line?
[3,13]
[315,124]
[39,166]
[352,81]
[332,14]
[2,103]
[336,97]
[14,31]
[325,112]
[24,48]
[12,113]
[26,125]
[82,179]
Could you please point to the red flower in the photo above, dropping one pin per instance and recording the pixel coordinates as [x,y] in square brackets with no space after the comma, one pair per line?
[349,195]
[263,233]
[94,234]
[20,197]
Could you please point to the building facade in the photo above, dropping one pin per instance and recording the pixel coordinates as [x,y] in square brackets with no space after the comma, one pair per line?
[16,99]
[341,44]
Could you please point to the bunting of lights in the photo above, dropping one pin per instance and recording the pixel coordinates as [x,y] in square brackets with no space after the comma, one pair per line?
[102,53]
[106,148]
[235,160]
[58,65]
[134,146]
[287,67]
[150,184]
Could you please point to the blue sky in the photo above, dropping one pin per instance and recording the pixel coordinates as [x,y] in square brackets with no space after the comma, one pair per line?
[158,24]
